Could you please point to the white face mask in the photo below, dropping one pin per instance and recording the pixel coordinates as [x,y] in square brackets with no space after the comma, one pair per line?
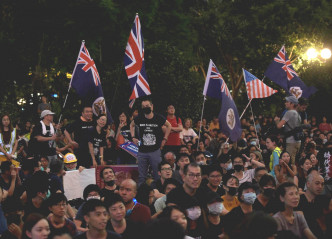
[194,213]
[93,197]
[215,208]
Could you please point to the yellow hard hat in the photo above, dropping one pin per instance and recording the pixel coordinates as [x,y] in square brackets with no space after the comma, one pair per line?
[70,158]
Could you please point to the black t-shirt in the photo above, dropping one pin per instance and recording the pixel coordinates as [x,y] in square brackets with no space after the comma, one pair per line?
[125,132]
[272,206]
[110,235]
[44,147]
[312,211]
[181,198]
[98,140]
[80,129]
[150,132]
[213,231]
[233,219]
[30,208]
[133,229]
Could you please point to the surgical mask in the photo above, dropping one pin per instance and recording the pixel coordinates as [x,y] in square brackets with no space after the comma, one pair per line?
[146,110]
[324,141]
[253,143]
[238,167]
[249,198]
[194,213]
[232,191]
[229,166]
[110,183]
[215,208]
[93,197]
[201,163]
[269,192]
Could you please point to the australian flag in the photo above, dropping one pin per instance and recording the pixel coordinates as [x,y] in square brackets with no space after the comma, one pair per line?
[134,62]
[282,72]
[86,82]
[216,87]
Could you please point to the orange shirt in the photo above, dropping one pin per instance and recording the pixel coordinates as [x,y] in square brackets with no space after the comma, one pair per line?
[229,205]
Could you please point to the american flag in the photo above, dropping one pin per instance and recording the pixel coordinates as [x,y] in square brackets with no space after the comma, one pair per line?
[255,87]
[134,62]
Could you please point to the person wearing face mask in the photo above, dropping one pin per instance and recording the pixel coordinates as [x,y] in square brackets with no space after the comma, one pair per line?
[266,200]
[152,139]
[213,225]
[243,176]
[226,165]
[70,162]
[92,191]
[247,197]
[108,176]
[195,218]
[230,184]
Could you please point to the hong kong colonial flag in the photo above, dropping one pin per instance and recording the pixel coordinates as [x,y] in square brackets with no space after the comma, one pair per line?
[216,87]
[255,87]
[134,62]
[86,82]
[282,72]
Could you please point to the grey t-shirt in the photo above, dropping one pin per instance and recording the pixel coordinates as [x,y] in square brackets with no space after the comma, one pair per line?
[293,120]
[297,227]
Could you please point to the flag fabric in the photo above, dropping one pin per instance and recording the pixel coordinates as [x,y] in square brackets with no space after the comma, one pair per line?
[255,87]
[282,72]
[86,82]
[134,62]
[216,87]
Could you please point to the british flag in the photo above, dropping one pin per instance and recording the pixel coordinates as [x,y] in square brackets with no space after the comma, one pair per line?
[86,82]
[287,65]
[282,72]
[215,84]
[255,87]
[134,62]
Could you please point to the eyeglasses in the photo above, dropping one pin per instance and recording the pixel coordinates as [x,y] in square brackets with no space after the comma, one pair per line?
[190,175]
[166,169]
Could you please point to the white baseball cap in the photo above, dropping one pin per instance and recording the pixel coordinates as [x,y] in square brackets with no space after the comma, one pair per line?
[46,112]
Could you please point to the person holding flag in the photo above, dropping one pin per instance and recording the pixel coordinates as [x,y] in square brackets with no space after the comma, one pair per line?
[86,82]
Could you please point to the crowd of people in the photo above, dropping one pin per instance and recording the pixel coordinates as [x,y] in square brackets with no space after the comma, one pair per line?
[275,181]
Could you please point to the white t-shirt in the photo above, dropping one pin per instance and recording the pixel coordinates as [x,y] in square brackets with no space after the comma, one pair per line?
[187,135]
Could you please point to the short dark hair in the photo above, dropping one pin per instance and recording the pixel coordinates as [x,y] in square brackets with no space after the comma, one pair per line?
[113,199]
[199,153]
[163,229]
[259,169]
[193,164]
[214,168]
[5,166]
[31,220]
[85,106]
[162,163]
[56,166]
[281,190]
[227,177]
[167,212]
[273,138]
[101,174]
[90,188]
[265,179]
[181,155]
[244,186]
[170,181]
[238,156]
[55,198]
[91,206]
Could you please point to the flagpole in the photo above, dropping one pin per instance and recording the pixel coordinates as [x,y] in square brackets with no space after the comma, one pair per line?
[64,104]
[200,126]
[253,119]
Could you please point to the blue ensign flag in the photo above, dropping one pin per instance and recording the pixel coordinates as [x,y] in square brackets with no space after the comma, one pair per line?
[216,87]
[282,73]
[86,82]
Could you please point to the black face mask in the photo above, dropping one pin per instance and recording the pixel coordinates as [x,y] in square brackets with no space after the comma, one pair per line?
[110,183]
[238,168]
[269,192]
[146,110]
[232,191]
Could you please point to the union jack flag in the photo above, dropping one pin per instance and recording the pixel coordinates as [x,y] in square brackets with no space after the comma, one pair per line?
[287,65]
[89,64]
[282,72]
[134,62]
[215,84]
[255,87]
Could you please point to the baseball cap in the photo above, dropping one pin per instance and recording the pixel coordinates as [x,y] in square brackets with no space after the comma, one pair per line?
[292,99]
[70,158]
[46,112]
